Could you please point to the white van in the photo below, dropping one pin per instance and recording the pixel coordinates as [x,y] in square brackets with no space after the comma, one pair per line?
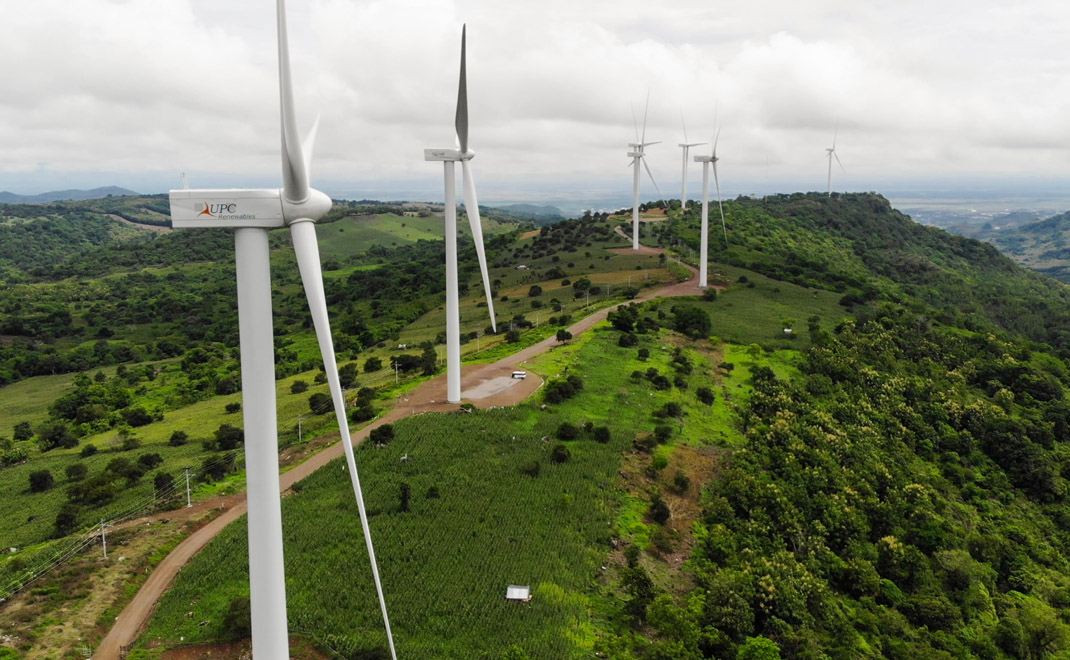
[520,374]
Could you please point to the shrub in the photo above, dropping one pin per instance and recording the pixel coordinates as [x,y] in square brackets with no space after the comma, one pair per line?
[601,434]
[560,454]
[88,451]
[163,481]
[298,386]
[130,443]
[663,433]
[627,340]
[567,431]
[320,403]
[563,335]
[76,471]
[404,495]
[372,364]
[362,413]
[66,522]
[55,434]
[535,291]
[659,510]
[681,482]
[530,468]
[232,408]
[705,395]
[432,493]
[137,416]
[40,481]
[382,435]
[178,438]
[644,354]
[710,294]
[228,437]
[237,620]
[149,461]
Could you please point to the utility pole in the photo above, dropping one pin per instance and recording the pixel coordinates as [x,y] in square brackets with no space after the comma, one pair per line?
[299,436]
[103,539]
[395,372]
[188,503]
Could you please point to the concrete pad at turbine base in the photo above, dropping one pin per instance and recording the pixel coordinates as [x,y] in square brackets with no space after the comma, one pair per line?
[490,387]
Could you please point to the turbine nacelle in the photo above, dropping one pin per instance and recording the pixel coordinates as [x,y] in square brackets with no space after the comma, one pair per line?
[315,206]
[448,155]
[706,159]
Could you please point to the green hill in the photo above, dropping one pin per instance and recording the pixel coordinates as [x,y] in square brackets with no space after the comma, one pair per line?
[1043,246]
[888,480]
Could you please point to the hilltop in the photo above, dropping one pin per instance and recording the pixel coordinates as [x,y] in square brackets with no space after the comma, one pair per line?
[1042,245]
[64,195]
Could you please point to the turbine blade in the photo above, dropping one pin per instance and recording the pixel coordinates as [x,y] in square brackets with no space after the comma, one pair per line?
[838,162]
[835,134]
[682,123]
[294,174]
[715,139]
[308,261]
[309,146]
[646,111]
[717,183]
[461,122]
[185,183]
[635,122]
[471,207]
[651,175]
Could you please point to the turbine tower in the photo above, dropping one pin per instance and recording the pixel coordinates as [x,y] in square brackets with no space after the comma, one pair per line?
[449,157]
[686,148]
[704,251]
[636,154]
[252,213]
[832,154]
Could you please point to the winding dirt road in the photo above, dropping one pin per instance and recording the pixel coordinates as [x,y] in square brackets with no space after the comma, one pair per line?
[484,385]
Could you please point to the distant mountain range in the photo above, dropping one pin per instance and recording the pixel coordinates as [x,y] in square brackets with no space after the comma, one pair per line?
[533,210]
[1043,246]
[64,195]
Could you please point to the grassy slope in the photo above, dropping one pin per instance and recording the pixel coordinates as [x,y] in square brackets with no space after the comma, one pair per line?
[444,587]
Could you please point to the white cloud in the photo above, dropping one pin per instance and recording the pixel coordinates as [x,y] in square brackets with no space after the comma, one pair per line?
[143,89]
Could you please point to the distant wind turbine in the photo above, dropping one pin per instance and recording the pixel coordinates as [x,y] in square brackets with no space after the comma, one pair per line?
[636,155]
[252,213]
[704,251]
[686,147]
[449,157]
[832,154]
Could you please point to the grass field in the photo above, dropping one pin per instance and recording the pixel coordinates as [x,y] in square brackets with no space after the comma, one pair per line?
[446,564]
[355,234]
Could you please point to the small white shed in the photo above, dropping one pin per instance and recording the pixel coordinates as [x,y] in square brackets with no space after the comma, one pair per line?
[518,593]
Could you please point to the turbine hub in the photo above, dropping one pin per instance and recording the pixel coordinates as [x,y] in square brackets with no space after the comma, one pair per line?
[314,207]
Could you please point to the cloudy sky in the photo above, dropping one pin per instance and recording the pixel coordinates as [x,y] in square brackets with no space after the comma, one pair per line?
[134,92]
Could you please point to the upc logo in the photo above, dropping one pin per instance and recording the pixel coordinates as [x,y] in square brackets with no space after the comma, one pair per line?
[212,210]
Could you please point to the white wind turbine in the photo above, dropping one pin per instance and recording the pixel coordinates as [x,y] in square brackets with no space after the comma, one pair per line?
[704,251]
[636,155]
[449,157]
[252,213]
[832,154]
[686,147]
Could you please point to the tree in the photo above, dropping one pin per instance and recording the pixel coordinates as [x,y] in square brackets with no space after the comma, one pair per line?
[429,359]
[76,471]
[659,510]
[705,395]
[178,438]
[372,364]
[137,416]
[347,375]
[149,461]
[601,434]
[382,435]
[710,294]
[55,434]
[563,335]
[512,336]
[567,431]
[758,648]
[23,432]
[66,519]
[560,454]
[163,481]
[40,481]
[298,386]
[692,321]
[227,437]
[320,403]
[535,291]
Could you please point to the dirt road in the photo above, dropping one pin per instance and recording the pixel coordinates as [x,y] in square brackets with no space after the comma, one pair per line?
[484,385]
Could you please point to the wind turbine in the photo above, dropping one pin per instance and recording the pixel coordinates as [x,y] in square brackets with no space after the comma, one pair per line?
[832,154]
[449,157]
[686,148]
[704,251]
[252,212]
[636,155]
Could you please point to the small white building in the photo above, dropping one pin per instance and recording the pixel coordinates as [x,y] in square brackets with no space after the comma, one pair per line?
[518,593]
